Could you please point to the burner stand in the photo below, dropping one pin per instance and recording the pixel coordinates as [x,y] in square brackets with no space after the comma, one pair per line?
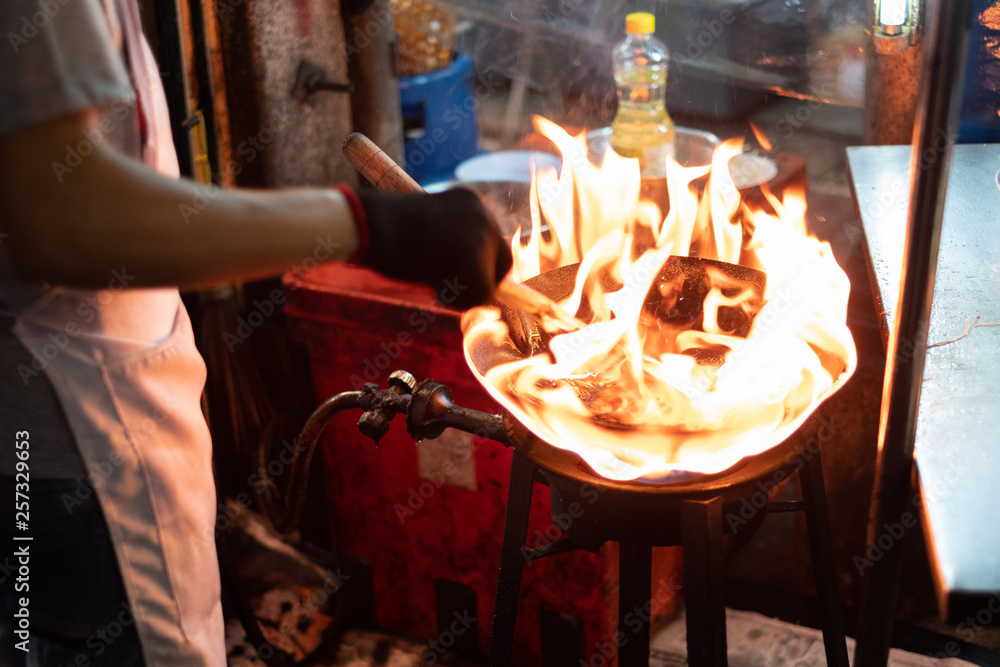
[694,514]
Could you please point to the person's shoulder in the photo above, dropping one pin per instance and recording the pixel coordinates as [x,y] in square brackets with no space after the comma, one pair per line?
[65,56]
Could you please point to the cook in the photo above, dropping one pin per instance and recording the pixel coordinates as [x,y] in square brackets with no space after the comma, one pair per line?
[95,340]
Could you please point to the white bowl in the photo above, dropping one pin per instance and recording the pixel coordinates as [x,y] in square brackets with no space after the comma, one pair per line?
[508,166]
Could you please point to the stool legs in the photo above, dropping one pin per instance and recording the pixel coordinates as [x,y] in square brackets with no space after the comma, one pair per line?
[704,591]
[635,580]
[515,533]
[824,565]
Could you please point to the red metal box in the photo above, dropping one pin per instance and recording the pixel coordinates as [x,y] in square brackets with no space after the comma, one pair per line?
[427,516]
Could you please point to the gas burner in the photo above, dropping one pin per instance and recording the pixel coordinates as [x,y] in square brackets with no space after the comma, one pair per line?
[694,513]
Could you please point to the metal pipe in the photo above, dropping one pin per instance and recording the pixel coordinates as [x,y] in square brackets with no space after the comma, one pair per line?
[428,412]
[476,422]
[432,410]
[937,109]
[304,449]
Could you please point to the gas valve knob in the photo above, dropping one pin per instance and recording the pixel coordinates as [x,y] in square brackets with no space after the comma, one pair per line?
[374,422]
[403,382]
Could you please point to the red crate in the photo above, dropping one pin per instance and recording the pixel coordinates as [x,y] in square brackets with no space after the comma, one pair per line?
[411,530]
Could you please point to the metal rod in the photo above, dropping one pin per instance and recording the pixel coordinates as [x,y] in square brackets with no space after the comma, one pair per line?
[931,157]
[779,506]
[824,562]
[562,546]
[478,423]
[635,581]
[515,532]
[704,591]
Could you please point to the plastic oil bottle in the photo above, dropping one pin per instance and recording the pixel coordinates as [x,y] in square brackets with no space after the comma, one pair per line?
[642,128]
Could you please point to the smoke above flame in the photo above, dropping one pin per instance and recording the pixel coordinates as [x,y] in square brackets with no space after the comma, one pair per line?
[713,329]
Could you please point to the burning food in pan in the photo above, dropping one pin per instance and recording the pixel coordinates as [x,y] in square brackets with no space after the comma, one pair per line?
[712,329]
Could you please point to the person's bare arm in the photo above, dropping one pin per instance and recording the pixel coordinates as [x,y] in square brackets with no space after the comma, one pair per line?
[111,212]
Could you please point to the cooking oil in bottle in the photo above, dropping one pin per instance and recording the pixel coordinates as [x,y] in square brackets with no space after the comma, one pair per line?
[642,128]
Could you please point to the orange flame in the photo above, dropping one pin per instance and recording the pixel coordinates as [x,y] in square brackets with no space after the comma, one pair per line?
[762,139]
[690,360]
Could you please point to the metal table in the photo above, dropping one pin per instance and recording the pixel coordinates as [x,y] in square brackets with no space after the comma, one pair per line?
[957,448]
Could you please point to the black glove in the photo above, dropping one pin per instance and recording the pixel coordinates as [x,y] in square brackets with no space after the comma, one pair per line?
[446,240]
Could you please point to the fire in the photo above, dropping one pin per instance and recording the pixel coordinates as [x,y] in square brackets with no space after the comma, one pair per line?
[762,139]
[712,330]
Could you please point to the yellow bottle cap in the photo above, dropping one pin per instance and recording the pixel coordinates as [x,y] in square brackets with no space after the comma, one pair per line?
[639,23]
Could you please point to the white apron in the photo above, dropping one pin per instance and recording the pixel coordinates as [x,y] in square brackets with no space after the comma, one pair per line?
[130,379]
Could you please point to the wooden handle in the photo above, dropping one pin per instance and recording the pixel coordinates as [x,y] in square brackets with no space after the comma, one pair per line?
[380,169]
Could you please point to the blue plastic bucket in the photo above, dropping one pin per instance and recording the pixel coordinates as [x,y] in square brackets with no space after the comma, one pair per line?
[439,120]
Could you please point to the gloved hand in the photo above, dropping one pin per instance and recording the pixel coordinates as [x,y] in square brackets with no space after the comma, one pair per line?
[445,240]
